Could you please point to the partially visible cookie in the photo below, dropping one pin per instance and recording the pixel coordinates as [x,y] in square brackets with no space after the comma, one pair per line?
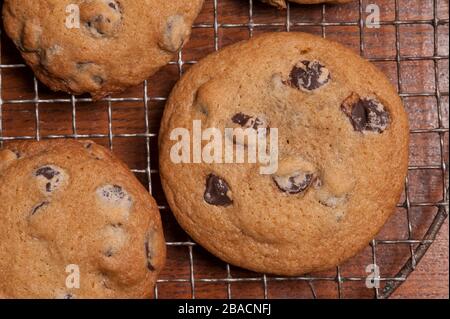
[69,208]
[341,136]
[282,3]
[98,46]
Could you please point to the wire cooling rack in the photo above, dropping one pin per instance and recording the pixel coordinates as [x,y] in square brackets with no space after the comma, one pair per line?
[196,272]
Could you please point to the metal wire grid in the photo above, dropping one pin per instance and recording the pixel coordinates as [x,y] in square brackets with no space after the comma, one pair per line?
[417,247]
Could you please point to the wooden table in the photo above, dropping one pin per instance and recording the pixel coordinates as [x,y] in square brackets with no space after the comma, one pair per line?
[29,110]
[430,280]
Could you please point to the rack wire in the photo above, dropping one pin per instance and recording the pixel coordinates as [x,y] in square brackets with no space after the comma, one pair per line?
[417,246]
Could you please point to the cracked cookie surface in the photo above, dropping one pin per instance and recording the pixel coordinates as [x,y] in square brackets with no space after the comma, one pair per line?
[343,153]
[99,47]
[60,205]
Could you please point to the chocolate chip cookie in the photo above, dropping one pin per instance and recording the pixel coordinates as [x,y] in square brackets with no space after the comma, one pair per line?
[98,46]
[282,3]
[75,223]
[341,137]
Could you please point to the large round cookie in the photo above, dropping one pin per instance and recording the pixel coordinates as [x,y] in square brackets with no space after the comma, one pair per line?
[282,3]
[343,153]
[69,208]
[116,44]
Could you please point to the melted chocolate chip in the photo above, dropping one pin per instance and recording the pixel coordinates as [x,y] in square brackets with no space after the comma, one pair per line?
[51,178]
[295,183]
[18,154]
[113,5]
[247,121]
[366,114]
[38,207]
[114,193]
[114,198]
[309,75]
[217,191]
[46,172]
[101,19]
[240,118]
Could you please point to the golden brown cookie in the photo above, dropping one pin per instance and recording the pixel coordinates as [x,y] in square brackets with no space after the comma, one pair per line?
[342,153]
[98,46]
[70,208]
[282,3]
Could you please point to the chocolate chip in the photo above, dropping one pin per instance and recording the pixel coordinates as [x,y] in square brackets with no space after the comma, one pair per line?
[295,183]
[240,118]
[101,19]
[113,193]
[217,191]
[18,154]
[366,114]
[93,25]
[38,207]
[47,172]
[113,5]
[245,136]
[49,178]
[68,296]
[309,75]
[115,202]
[248,121]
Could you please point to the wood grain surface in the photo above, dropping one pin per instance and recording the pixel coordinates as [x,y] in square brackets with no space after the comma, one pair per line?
[27,113]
